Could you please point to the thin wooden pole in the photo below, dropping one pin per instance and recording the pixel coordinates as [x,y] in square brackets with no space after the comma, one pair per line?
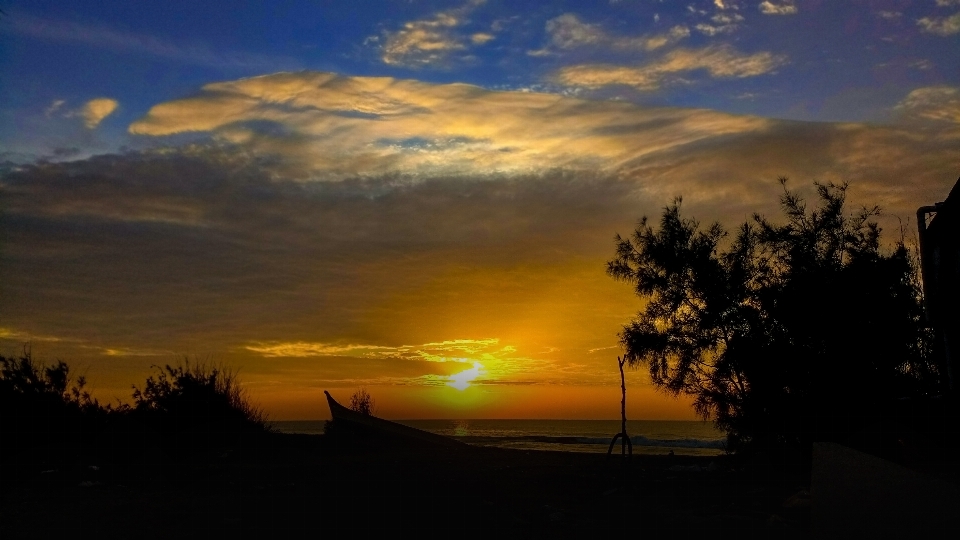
[625,443]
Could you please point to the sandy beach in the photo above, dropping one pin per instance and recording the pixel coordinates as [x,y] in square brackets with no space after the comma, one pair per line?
[291,485]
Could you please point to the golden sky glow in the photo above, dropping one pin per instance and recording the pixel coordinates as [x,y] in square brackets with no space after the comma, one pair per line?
[456,281]
[420,198]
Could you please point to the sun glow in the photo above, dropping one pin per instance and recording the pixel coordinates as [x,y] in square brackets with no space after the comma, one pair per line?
[461,381]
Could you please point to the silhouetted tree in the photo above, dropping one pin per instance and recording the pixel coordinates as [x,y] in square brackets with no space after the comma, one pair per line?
[362,402]
[788,334]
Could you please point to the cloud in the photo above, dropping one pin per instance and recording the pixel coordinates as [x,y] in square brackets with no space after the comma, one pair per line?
[303,349]
[126,352]
[94,111]
[481,37]
[674,35]
[784,8]
[712,30]
[19,336]
[948,3]
[568,32]
[499,363]
[431,42]
[941,26]
[96,35]
[322,125]
[599,75]
[941,103]
[439,351]
[718,62]
[725,20]
[54,106]
[889,15]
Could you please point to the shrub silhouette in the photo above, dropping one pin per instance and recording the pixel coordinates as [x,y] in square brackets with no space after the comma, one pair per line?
[190,410]
[362,402]
[197,409]
[46,414]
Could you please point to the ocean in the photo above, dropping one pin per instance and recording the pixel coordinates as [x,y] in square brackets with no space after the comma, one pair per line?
[648,436]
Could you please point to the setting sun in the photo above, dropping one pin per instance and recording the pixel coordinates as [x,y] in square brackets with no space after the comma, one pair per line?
[461,380]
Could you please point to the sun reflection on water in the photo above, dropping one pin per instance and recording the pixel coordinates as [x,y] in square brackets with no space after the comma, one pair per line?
[461,428]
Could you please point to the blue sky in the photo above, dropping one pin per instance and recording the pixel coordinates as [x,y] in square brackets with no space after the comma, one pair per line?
[828,61]
[389,193]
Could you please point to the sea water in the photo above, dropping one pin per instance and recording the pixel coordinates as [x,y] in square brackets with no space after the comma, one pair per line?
[647,436]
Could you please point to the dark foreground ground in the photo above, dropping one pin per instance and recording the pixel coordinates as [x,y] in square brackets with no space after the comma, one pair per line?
[296,485]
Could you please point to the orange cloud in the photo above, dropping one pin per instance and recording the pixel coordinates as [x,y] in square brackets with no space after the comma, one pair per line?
[94,111]
[384,124]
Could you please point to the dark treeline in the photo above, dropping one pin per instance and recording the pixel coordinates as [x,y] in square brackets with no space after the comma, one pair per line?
[787,333]
[184,412]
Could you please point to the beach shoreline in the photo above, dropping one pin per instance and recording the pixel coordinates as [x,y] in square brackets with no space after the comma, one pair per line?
[695,438]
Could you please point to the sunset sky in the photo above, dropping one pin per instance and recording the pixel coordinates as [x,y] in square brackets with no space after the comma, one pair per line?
[420,197]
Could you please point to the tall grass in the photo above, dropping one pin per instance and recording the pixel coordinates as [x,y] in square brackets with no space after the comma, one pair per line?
[201,393]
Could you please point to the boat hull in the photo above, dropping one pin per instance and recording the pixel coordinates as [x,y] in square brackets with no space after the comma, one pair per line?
[339,413]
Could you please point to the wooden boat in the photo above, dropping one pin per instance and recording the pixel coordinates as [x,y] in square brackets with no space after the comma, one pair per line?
[386,427]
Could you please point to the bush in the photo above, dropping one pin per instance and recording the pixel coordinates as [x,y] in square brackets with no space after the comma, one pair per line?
[197,408]
[46,414]
[362,402]
[186,411]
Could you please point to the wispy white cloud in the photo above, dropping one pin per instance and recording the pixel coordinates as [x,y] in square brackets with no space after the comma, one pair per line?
[126,352]
[718,62]
[941,26]
[481,37]
[941,103]
[715,29]
[726,4]
[724,20]
[22,336]
[54,106]
[433,41]
[670,37]
[330,126]
[787,7]
[569,32]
